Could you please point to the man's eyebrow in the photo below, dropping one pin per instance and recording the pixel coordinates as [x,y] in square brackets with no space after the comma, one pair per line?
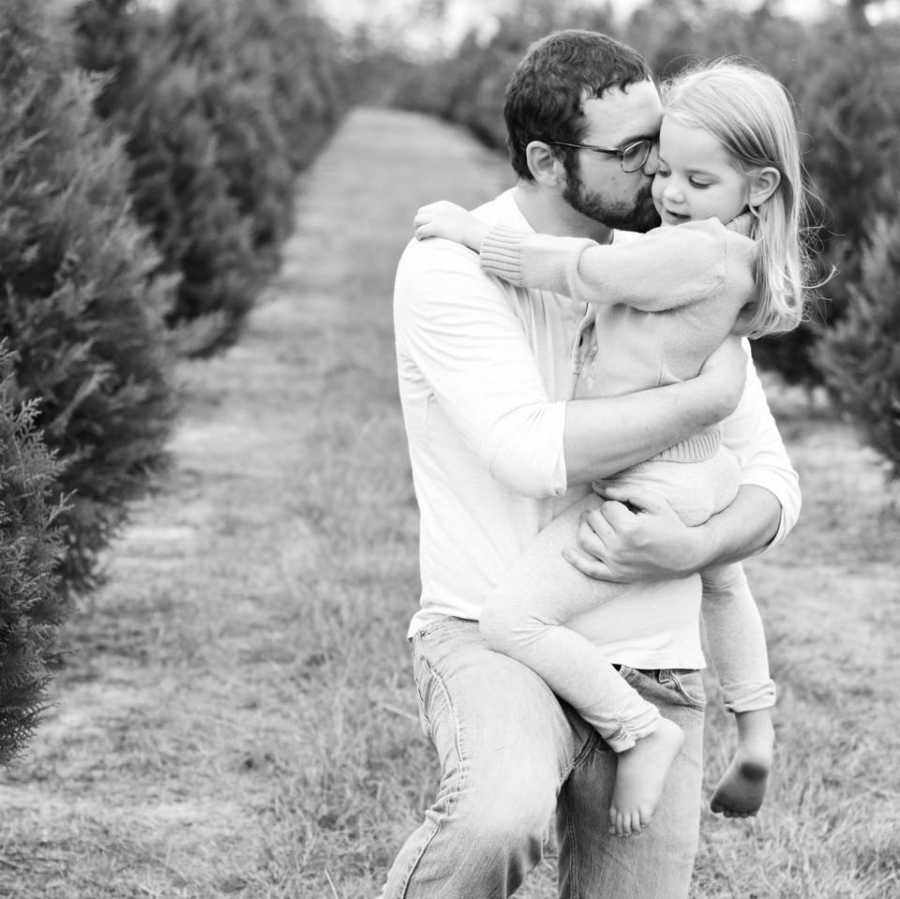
[635,138]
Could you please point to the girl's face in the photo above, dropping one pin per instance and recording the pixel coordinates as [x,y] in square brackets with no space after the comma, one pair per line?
[695,178]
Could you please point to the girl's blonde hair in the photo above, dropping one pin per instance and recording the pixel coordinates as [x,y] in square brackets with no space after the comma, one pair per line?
[751,114]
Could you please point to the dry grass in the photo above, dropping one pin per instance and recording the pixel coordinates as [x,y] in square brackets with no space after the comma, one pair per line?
[236,714]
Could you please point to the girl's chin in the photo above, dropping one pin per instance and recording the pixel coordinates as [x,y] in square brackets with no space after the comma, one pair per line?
[669,218]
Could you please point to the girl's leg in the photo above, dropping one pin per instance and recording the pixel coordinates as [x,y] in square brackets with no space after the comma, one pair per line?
[525,618]
[737,645]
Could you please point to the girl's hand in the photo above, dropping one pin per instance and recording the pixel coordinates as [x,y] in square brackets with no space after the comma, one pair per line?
[452,222]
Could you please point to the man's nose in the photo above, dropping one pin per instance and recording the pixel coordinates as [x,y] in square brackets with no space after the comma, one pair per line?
[652,163]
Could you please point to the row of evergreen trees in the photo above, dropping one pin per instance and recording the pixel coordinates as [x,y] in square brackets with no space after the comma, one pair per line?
[146,170]
[221,105]
[845,79]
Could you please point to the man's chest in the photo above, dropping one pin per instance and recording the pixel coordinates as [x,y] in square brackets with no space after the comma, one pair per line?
[552,325]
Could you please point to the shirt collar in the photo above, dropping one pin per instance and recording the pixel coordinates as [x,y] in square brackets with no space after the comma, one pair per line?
[510,214]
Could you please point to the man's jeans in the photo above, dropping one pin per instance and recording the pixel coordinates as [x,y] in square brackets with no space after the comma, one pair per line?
[511,754]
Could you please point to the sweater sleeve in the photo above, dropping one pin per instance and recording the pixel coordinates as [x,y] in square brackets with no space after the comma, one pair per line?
[752,433]
[663,269]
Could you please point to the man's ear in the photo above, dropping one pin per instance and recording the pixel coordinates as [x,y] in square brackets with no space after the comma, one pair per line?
[763,184]
[545,167]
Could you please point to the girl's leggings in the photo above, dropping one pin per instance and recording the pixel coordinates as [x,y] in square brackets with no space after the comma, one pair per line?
[526,616]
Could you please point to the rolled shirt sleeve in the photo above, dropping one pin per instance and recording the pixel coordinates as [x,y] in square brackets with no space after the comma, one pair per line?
[751,432]
[458,329]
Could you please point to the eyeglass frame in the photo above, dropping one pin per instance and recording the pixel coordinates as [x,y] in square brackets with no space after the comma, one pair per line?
[619,152]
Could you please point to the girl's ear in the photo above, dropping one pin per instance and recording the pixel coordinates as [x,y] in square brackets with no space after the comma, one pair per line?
[763,184]
[543,164]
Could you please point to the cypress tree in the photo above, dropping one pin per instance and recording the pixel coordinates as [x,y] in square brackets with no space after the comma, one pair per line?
[300,58]
[31,605]
[221,105]
[77,304]
[860,354]
[157,97]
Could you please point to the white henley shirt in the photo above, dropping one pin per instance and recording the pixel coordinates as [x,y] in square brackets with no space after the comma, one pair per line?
[485,370]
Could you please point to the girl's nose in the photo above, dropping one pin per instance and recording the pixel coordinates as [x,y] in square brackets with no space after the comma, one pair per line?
[673,192]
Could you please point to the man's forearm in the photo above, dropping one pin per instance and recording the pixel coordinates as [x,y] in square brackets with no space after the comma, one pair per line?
[741,530]
[606,436]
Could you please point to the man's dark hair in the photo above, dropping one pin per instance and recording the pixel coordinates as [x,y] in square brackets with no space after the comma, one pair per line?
[545,94]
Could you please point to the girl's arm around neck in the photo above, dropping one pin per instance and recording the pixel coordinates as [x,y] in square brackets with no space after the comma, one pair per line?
[664,269]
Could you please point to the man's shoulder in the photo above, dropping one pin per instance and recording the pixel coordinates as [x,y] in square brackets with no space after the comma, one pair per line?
[435,252]
[437,274]
[436,256]
[427,265]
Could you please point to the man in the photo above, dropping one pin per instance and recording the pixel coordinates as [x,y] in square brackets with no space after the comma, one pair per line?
[497,448]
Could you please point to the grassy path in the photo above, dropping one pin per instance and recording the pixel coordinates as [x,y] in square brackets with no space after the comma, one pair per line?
[236,715]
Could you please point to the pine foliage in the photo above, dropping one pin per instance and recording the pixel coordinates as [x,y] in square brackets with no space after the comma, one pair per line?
[31,606]
[159,100]
[299,63]
[860,355]
[847,89]
[221,106]
[76,302]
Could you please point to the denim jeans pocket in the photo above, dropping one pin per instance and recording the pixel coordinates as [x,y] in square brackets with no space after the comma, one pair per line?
[421,676]
[687,684]
[436,626]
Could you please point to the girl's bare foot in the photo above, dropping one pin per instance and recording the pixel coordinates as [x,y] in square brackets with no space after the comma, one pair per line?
[741,790]
[640,776]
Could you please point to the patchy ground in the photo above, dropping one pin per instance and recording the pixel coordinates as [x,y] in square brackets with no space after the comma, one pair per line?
[236,715]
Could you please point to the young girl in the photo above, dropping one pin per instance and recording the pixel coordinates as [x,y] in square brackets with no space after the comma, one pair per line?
[728,149]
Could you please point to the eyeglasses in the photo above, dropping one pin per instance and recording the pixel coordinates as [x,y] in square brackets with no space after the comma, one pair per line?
[631,158]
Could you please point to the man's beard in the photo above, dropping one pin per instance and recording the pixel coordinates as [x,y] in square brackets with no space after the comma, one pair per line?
[640,215]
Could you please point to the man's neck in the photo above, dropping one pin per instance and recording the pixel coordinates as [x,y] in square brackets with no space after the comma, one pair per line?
[548,213]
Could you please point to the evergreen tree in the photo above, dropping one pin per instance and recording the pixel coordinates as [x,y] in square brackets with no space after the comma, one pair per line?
[31,606]
[237,100]
[179,191]
[287,47]
[76,302]
[860,354]
[220,106]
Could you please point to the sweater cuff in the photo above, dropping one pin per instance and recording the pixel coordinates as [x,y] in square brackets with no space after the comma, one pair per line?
[501,254]
[696,448]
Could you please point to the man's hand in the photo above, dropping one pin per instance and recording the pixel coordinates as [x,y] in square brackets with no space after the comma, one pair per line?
[450,221]
[635,536]
[725,371]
